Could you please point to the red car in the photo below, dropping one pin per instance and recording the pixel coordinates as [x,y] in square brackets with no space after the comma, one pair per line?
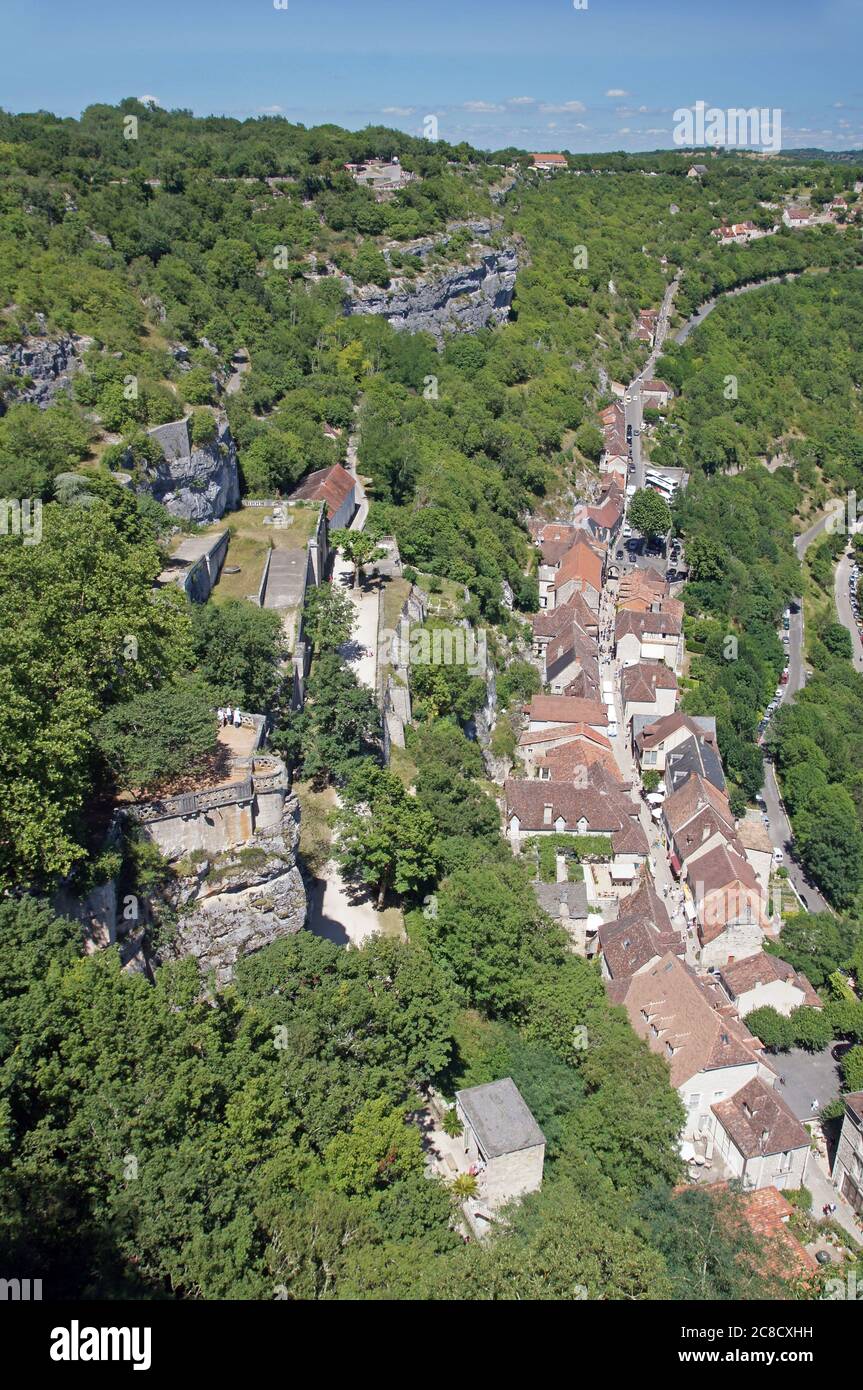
[783,679]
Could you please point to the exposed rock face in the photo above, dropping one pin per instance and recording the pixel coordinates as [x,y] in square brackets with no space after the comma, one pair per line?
[462,300]
[246,899]
[198,484]
[49,363]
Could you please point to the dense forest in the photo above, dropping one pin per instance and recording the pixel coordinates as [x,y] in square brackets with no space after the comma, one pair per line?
[180,1141]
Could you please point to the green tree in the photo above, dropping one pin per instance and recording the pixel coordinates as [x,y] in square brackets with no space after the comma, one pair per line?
[158,734]
[329,617]
[384,837]
[239,650]
[83,629]
[649,513]
[358,548]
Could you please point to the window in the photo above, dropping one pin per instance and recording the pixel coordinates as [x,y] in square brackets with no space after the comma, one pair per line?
[717,1095]
[649,758]
[785,1162]
[694,1100]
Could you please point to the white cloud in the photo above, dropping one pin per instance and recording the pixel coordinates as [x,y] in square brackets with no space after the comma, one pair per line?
[147,100]
[481,106]
[616,92]
[520,101]
[563,107]
[624,130]
[273,110]
[398,110]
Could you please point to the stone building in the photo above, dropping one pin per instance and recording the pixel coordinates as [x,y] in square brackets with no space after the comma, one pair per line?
[503,1144]
[848,1164]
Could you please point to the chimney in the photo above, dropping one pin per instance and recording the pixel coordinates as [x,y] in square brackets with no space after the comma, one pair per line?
[546,813]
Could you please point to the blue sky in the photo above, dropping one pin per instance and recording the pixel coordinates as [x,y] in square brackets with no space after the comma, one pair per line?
[535,73]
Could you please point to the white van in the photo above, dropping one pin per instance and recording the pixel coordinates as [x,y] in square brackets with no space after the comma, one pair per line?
[612,728]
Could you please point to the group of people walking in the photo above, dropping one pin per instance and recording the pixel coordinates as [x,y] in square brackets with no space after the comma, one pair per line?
[229,716]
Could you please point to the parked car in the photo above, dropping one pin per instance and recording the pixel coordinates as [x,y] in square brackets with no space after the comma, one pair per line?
[838,1051]
[778,856]
[784,676]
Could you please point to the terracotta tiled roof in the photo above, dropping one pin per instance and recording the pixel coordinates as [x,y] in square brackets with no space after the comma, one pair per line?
[670,1009]
[568,732]
[641,681]
[766,1213]
[657,732]
[550,621]
[758,1121]
[641,932]
[606,809]
[762,969]
[647,624]
[581,563]
[331,485]
[566,709]
[568,761]
[695,794]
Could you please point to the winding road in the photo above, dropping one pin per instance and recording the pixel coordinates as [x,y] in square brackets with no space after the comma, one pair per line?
[780,828]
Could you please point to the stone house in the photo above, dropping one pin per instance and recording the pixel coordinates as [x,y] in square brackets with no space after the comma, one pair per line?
[654,739]
[639,936]
[710,1053]
[729,906]
[595,807]
[503,1144]
[760,1139]
[649,688]
[334,486]
[582,570]
[763,980]
[566,904]
[552,711]
[848,1164]
[656,635]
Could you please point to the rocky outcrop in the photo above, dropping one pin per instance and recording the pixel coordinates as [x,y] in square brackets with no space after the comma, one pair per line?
[241,901]
[197,483]
[43,365]
[461,300]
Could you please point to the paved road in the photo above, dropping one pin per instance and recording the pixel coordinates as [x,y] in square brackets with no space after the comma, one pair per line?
[633,408]
[780,838]
[844,609]
[780,829]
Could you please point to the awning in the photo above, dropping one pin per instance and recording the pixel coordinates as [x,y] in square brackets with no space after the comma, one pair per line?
[674,862]
[623,871]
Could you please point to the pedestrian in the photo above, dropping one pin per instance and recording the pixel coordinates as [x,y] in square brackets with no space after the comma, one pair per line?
[814,1105]
[825,1210]
[237,719]
[220,715]
[832,1207]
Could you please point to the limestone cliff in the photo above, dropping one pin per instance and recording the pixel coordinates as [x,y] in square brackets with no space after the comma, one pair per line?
[198,483]
[241,901]
[41,366]
[460,300]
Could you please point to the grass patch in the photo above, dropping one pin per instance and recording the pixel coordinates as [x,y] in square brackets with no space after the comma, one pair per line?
[315,835]
[403,765]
